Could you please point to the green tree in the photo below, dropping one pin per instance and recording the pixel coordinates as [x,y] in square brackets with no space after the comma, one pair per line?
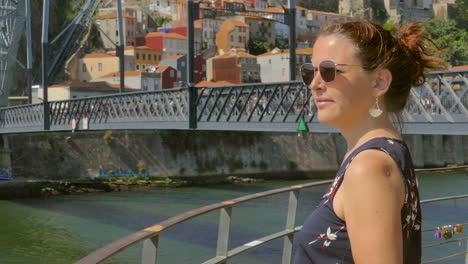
[452,39]
[258,46]
[391,27]
[159,20]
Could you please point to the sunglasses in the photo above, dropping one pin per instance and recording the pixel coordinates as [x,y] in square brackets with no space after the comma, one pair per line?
[327,69]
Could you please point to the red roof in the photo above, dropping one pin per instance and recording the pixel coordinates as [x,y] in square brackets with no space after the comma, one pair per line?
[207,83]
[97,55]
[173,57]
[162,68]
[459,68]
[166,35]
[117,74]
[237,23]
[114,16]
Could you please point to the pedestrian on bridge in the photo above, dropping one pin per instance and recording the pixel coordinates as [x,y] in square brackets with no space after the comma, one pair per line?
[360,76]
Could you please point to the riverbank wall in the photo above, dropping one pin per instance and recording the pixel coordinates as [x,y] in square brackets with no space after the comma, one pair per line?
[164,153]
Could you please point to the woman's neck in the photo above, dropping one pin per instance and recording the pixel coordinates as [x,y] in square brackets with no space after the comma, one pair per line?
[363,130]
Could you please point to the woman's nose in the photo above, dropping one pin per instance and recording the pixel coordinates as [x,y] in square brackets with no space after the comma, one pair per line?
[317,82]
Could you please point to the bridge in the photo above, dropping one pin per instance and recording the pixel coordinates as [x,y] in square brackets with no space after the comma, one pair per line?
[437,107]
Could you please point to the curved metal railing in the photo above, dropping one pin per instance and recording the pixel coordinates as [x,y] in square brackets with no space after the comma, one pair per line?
[150,235]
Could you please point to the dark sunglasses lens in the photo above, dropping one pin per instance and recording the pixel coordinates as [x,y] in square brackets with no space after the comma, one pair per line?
[327,70]
[307,73]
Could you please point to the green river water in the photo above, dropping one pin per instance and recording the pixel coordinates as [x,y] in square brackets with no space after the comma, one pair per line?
[64,229]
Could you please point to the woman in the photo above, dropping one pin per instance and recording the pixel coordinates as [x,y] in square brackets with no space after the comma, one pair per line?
[371,214]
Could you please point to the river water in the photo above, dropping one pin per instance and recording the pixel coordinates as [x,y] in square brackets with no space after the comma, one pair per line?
[63,229]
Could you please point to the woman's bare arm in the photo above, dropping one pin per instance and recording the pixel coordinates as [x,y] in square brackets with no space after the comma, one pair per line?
[372,197]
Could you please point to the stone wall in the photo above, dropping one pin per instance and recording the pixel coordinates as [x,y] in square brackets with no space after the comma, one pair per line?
[202,153]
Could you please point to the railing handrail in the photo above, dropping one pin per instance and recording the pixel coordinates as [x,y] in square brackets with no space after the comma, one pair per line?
[110,250]
[114,248]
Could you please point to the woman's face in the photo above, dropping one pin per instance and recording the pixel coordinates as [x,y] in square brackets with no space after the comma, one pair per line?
[346,100]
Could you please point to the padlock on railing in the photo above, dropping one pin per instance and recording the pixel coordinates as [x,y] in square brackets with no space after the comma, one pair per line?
[447,232]
[458,229]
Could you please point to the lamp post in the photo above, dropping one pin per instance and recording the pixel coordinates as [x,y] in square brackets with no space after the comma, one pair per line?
[191,9]
[120,48]
[292,39]
[45,80]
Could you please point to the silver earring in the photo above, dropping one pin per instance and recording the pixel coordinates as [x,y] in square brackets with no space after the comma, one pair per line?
[375,111]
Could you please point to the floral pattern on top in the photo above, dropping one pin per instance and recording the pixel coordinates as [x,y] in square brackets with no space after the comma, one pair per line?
[324,237]
[327,238]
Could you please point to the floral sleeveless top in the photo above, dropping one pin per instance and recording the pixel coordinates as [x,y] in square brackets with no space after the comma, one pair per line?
[324,238]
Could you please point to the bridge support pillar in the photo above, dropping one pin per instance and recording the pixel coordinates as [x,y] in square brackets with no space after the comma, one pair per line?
[418,150]
[5,153]
[458,150]
[437,150]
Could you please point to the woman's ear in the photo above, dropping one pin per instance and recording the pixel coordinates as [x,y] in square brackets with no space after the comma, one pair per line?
[382,82]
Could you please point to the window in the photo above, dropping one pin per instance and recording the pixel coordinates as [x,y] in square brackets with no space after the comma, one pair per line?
[183,64]
[232,38]
[137,66]
[240,39]
[143,56]
[155,57]
[99,67]
[138,56]
[171,73]
[84,67]
[116,32]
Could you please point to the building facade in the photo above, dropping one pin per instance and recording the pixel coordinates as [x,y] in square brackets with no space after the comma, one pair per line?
[232,34]
[234,67]
[94,65]
[110,26]
[275,64]
[144,56]
[170,44]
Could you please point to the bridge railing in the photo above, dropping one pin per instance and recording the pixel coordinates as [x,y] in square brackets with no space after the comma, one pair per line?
[439,106]
[151,235]
[235,107]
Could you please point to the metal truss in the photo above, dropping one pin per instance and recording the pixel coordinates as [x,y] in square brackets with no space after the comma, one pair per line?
[438,107]
[13,15]
[68,40]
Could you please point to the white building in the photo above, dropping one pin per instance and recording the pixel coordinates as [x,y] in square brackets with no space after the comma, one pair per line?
[274,65]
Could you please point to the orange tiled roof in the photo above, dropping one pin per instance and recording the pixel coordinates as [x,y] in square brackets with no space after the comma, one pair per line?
[237,23]
[129,48]
[175,57]
[162,68]
[97,55]
[459,68]
[246,55]
[328,13]
[198,23]
[257,17]
[208,83]
[275,9]
[117,74]
[114,16]
[166,35]
[86,84]
[286,51]
[144,48]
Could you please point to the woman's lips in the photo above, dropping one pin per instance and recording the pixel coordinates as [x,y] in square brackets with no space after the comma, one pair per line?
[321,102]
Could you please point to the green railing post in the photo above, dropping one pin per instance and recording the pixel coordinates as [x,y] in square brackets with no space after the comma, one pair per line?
[150,251]
[290,224]
[223,232]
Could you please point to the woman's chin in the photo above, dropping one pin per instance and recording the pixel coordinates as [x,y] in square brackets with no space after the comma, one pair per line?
[326,119]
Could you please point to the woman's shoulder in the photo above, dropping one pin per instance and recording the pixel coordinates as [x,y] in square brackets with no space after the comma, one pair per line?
[374,173]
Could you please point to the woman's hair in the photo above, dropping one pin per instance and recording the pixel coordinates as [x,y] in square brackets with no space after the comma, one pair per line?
[404,55]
